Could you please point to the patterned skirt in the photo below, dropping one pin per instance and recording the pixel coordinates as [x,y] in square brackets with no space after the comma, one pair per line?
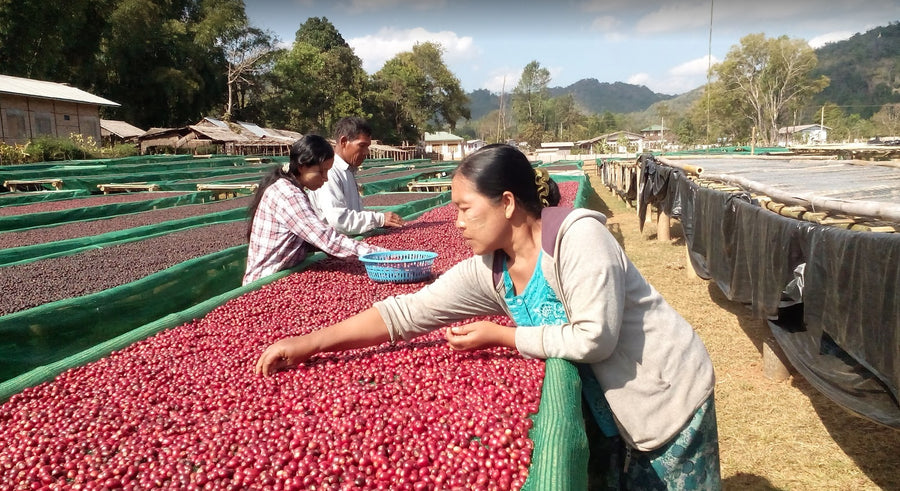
[690,461]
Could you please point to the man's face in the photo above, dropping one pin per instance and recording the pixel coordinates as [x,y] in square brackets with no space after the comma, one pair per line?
[356,150]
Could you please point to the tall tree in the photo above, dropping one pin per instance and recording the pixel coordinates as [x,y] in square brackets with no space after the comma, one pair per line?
[247,50]
[295,83]
[770,76]
[54,41]
[417,93]
[531,93]
[339,80]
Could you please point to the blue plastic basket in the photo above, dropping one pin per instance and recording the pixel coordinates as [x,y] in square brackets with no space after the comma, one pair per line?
[398,266]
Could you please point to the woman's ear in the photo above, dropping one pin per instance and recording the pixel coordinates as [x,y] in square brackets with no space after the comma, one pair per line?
[509,204]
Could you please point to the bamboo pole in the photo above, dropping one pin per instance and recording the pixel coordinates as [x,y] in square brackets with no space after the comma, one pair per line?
[872,209]
[687,168]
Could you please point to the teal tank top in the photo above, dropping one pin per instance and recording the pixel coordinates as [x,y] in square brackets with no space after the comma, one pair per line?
[538,305]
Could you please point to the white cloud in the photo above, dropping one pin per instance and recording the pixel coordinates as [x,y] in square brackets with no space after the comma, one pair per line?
[674,17]
[678,79]
[505,79]
[609,26]
[639,79]
[374,50]
[831,37]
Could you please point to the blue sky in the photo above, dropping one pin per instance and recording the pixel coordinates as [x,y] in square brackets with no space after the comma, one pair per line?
[663,45]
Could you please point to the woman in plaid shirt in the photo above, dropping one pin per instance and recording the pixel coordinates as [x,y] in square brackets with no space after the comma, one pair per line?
[283,224]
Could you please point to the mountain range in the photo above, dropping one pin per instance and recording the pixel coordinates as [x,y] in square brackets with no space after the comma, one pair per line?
[864,71]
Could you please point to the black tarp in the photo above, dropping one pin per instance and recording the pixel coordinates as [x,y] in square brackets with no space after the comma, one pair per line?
[846,342]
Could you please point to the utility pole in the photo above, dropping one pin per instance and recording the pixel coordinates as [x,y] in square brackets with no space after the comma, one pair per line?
[501,125]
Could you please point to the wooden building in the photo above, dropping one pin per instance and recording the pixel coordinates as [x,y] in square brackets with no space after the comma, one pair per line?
[33,108]
[115,132]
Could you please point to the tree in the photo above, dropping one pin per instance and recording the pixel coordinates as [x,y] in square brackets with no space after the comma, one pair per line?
[887,120]
[416,93]
[295,84]
[247,50]
[768,77]
[531,93]
[55,41]
[338,82]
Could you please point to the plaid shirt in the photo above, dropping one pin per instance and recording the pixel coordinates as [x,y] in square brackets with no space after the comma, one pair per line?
[284,226]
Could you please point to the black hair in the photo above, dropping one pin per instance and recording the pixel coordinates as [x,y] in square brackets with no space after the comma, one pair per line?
[309,151]
[498,167]
[351,127]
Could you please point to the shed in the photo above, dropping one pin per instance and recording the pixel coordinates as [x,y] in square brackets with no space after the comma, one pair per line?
[31,108]
[806,134]
[223,139]
[446,145]
[615,142]
[112,131]
[161,140]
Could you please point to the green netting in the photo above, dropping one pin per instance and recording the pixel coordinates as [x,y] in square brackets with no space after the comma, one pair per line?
[75,214]
[395,184]
[191,185]
[91,182]
[26,254]
[38,341]
[54,331]
[15,199]
[114,167]
[560,454]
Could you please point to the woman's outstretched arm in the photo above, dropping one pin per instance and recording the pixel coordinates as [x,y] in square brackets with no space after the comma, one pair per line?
[360,331]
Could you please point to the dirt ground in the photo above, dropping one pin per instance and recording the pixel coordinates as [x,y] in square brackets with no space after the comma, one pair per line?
[773,435]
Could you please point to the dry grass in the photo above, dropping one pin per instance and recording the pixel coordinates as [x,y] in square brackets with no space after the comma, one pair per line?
[773,435]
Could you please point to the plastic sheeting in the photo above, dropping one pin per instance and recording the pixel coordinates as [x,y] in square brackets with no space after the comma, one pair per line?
[847,341]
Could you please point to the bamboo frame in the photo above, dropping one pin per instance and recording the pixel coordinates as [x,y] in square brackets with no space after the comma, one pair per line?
[881,211]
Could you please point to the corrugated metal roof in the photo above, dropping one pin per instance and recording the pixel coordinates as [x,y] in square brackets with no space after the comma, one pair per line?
[442,136]
[218,134]
[49,90]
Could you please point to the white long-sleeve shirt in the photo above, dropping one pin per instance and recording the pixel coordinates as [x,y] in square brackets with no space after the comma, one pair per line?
[339,204]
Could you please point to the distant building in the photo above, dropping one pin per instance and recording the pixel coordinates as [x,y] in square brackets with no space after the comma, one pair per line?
[806,134]
[472,145]
[115,132]
[33,108]
[446,145]
[615,142]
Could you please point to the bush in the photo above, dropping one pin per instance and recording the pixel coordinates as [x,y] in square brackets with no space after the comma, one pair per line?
[13,154]
[121,150]
[47,148]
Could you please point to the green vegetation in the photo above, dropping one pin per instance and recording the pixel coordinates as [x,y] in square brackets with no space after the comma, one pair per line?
[171,63]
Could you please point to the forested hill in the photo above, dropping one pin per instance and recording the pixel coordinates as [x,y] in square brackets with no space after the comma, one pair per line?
[864,70]
[591,96]
[596,97]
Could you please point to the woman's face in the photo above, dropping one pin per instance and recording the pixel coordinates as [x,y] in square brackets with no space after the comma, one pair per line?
[482,221]
[315,176]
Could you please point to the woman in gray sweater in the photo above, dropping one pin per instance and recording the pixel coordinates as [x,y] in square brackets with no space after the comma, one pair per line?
[573,294]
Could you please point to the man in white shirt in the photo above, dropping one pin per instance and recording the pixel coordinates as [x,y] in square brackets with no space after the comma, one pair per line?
[338,201]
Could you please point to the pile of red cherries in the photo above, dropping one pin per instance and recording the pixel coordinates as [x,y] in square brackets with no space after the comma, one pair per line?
[184,410]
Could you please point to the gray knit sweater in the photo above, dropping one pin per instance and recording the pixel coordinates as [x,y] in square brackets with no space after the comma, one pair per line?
[652,366]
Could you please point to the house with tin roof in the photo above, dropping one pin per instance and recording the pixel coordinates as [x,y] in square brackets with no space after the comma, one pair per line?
[446,145]
[33,108]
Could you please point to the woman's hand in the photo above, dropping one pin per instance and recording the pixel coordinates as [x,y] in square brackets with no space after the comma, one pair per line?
[480,335]
[287,353]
